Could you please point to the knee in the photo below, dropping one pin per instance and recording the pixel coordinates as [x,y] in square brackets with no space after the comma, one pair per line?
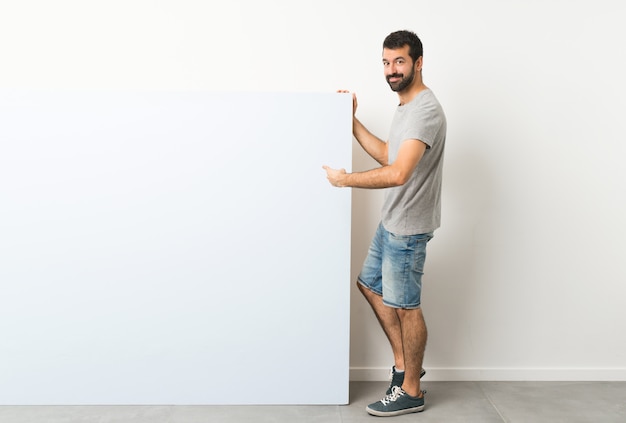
[410,312]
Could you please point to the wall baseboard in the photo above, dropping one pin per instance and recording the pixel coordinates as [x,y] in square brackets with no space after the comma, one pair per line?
[375,374]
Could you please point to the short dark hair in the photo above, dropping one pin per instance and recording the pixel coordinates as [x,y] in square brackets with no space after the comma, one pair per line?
[399,39]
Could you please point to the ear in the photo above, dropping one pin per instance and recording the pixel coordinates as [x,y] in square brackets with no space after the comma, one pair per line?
[418,64]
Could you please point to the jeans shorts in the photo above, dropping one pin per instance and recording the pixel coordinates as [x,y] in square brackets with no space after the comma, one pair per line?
[394,267]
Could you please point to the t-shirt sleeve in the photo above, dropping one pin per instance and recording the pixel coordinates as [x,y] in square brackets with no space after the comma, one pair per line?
[425,123]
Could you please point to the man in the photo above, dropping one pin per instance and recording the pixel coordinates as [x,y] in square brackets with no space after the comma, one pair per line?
[411,171]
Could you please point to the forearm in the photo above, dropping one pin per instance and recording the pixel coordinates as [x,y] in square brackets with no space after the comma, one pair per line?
[373,145]
[382,177]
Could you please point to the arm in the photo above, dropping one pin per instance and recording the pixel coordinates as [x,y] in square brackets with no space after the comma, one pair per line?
[395,174]
[372,145]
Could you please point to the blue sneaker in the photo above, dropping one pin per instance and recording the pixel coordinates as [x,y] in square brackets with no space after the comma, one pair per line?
[395,404]
[398,378]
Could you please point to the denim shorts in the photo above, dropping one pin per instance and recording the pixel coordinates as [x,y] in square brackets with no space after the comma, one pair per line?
[394,267]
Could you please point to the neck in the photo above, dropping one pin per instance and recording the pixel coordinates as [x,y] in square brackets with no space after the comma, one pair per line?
[405,96]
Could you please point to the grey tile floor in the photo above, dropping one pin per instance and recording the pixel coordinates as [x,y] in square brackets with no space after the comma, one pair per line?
[535,402]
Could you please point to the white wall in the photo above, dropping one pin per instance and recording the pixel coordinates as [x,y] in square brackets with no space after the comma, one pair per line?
[524,280]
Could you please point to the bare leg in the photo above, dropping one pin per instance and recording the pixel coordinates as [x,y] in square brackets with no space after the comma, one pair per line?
[390,322]
[414,334]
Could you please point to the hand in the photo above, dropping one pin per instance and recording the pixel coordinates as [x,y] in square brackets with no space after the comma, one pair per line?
[354,102]
[335,176]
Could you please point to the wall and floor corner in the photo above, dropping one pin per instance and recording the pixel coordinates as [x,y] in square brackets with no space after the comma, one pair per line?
[524,280]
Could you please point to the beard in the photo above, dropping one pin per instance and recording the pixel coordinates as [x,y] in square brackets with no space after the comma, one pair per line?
[404,82]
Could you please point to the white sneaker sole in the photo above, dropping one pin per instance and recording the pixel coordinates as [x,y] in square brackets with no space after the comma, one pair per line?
[394,413]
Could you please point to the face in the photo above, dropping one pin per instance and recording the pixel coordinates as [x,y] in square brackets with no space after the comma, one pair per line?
[399,68]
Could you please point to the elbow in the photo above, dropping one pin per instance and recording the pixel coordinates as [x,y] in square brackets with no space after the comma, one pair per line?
[400,178]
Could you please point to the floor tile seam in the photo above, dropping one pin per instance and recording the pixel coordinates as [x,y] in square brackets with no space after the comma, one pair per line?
[340,413]
[493,404]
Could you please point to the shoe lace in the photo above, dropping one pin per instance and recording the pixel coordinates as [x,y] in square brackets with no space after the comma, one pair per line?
[396,392]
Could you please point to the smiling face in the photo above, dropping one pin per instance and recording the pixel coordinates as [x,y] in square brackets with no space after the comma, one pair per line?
[399,68]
